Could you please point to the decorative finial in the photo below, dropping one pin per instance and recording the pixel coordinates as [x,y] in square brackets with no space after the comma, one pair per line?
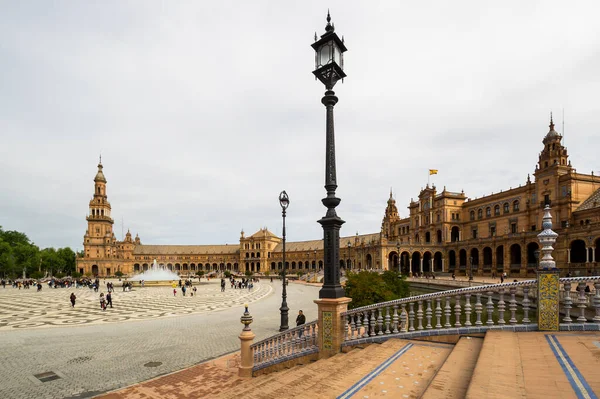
[100,162]
[315,36]
[329,27]
[551,122]
[246,318]
[390,193]
[547,238]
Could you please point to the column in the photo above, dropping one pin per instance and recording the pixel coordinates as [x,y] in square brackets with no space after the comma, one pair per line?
[421,265]
[443,266]
[587,255]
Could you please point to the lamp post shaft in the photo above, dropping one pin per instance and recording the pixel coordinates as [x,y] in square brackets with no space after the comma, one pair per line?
[331,222]
[284,307]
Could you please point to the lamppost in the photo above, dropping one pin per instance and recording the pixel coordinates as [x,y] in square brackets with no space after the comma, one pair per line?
[398,256]
[349,260]
[284,201]
[329,64]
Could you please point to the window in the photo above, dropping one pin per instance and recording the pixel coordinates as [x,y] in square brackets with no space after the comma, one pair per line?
[488,212]
[438,217]
[497,210]
[474,231]
[426,219]
[472,215]
[547,199]
[506,207]
[453,216]
[479,214]
[516,206]
[513,228]
[493,231]
[533,227]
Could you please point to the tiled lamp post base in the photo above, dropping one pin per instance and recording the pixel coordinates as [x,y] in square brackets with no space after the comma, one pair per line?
[331,326]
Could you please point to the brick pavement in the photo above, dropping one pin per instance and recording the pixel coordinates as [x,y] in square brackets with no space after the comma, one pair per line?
[100,357]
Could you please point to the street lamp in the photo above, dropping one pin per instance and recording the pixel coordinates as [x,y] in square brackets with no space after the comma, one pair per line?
[284,201]
[349,259]
[329,64]
[398,256]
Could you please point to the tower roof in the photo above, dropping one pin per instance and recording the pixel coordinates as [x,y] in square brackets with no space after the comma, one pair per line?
[100,176]
[552,134]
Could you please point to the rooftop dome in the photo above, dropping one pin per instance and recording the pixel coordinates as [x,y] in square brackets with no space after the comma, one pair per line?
[552,134]
[100,175]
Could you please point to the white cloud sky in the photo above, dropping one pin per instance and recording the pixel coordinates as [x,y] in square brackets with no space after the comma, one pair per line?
[205,111]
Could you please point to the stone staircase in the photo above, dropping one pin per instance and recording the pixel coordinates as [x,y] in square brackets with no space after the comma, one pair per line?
[396,368]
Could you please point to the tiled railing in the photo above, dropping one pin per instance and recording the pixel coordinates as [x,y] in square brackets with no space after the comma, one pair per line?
[287,345]
[470,310]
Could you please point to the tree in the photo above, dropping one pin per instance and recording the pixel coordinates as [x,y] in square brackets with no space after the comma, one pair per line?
[248,273]
[119,273]
[367,288]
[227,274]
[267,273]
[200,273]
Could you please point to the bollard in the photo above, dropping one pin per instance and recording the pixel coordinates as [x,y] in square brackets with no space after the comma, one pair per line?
[246,338]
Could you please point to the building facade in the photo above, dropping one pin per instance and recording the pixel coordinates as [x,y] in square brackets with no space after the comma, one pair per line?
[442,232]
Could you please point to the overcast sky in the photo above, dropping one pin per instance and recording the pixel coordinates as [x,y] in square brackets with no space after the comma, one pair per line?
[205,111]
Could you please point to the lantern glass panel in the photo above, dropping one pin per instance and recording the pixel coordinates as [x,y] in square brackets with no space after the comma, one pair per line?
[325,54]
[337,54]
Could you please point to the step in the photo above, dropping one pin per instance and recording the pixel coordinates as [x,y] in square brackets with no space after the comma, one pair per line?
[453,378]
[327,377]
[498,372]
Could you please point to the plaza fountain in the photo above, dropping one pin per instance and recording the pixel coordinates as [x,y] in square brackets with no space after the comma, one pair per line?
[156,275]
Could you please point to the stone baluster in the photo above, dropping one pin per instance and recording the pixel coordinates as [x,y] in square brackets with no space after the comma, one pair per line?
[294,341]
[365,324]
[447,312]
[420,316]
[387,320]
[457,311]
[478,308]
[567,304]
[379,321]
[314,335]
[597,301]
[352,326]
[428,314]
[359,331]
[372,322]
[526,305]
[395,320]
[403,319]
[346,328]
[582,303]
[468,310]
[513,306]
[438,313]
[411,316]
[490,309]
[501,307]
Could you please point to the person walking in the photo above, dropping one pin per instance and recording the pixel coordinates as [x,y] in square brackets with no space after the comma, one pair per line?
[109,299]
[300,320]
[102,301]
[72,298]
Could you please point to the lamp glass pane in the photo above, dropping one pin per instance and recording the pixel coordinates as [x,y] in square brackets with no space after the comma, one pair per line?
[325,54]
[337,54]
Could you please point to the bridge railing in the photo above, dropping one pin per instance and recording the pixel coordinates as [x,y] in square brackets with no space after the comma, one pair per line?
[286,345]
[472,309]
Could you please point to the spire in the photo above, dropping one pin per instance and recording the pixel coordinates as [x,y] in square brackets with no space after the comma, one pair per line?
[551,122]
[329,27]
[391,193]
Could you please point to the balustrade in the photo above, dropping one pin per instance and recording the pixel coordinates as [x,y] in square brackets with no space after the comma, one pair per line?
[492,304]
[287,345]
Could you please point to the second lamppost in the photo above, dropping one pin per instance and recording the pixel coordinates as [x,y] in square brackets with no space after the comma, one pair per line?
[284,201]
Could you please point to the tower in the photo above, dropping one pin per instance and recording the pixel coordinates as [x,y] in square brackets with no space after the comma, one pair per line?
[391,216]
[554,156]
[99,241]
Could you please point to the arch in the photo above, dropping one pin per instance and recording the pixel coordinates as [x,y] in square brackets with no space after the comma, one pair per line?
[474,258]
[314,264]
[247,255]
[258,253]
[472,215]
[320,264]
[235,267]
[229,266]
[214,266]
[515,205]
[497,210]
[185,266]
[95,270]
[437,262]
[479,213]
[416,262]
[247,266]
[455,234]
[393,261]
[145,266]
[300,265]
[439,236]
[177,266]
[500,258]
[342,264]
[136,267]
[487,258]
[506,207]
[222,267]
[273,265]
[279,266]
[417,237]
[488,212]
[462,259]
[597,250]
[532,262]
[207,267]
[427,236]
[252,255]
[369,261]
[578,251]
[515,257]
[427,262]
[451,259]
[170,266]
[193,267]
[405,262]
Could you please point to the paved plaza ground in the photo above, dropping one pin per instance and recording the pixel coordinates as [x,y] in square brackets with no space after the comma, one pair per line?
[148,333]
